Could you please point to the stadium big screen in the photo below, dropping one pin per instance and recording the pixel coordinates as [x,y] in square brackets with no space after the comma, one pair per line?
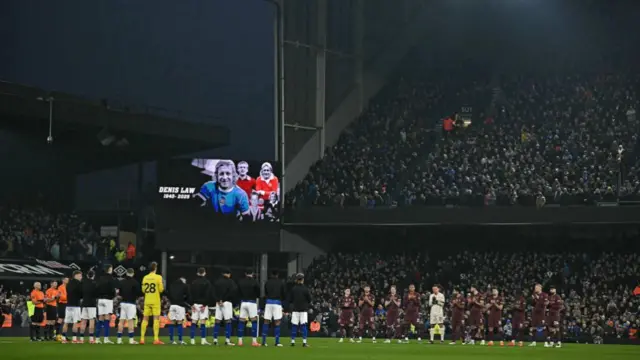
[200,198]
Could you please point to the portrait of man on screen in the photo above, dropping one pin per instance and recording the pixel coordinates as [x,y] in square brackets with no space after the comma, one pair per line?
[222,192]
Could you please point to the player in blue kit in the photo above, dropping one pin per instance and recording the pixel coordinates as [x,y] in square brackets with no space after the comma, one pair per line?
[223,194]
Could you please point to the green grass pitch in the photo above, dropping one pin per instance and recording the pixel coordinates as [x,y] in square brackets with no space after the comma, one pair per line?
[321,348]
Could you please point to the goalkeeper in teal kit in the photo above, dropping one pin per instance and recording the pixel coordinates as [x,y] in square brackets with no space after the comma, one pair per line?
[222,193]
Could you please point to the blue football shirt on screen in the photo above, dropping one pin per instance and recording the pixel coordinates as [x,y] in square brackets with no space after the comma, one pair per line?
[227,202]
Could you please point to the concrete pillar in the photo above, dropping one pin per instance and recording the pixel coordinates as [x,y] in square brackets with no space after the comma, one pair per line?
[321,72]
[358,33]
[264,271]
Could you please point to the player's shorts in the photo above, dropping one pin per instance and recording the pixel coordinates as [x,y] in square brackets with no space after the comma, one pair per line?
[51,311]
[517,322]
[88,313]
[366,317]
[392,318]
[105,307]
[346,318]
[412,317]
[457,320]
[476,320]
[177,313]
[73,315]
[436,318]
[553,320]
[199,313]
[151,310]
[225,311]
[127,311]
[537,320]
[273,312]
[62,308]
[248,310]
[38,315]
[495,321]
[299,317]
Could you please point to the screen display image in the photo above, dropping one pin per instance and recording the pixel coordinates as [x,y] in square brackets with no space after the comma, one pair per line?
[237,191]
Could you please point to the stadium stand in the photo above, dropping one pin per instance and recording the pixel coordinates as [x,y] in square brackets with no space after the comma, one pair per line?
[544,139]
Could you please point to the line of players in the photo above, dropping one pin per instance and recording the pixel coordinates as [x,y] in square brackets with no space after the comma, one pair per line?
[90,306]
[545,314]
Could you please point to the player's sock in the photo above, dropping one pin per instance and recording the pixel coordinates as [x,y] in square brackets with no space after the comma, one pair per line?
[119,335]
[143,329]
[203,332]
[131,335]
[276,333]
[227,331]
[254,329]
[75,336]
[106,329]
[294,332]
[156,330]
[216,330]
[193,331]
[240,330]
[171,327]
[432,334]
[265,330]
[304,333]
[180,332]
[97,329]
[59,327]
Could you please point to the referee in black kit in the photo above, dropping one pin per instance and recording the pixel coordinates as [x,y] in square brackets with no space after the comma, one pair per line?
[300,302]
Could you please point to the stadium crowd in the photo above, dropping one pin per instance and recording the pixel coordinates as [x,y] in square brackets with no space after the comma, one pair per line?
[34,232]
[598,290]
[546,139]
[377,153]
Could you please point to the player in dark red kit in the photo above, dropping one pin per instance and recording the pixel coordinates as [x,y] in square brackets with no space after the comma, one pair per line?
[496,304]
[517,320]
[540,303]
[392,303]
[411,304]
[367,304]
[556,305]
[245,182]
[457,317]
[347,304]
[475,302]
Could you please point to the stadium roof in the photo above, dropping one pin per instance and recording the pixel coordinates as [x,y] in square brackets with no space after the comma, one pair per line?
[102,134]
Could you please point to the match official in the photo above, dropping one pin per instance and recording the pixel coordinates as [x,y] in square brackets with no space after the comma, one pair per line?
[179,298]
[274,291]
[130,290]
[300,302]
[201,295]
[225,290]
[249,291]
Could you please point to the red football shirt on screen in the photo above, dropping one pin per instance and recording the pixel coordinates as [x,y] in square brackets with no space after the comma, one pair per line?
[247,184]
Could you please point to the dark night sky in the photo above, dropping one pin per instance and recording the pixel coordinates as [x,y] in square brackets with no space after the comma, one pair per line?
[212,57]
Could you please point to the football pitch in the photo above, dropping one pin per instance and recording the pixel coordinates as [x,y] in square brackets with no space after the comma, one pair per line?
[321,348]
